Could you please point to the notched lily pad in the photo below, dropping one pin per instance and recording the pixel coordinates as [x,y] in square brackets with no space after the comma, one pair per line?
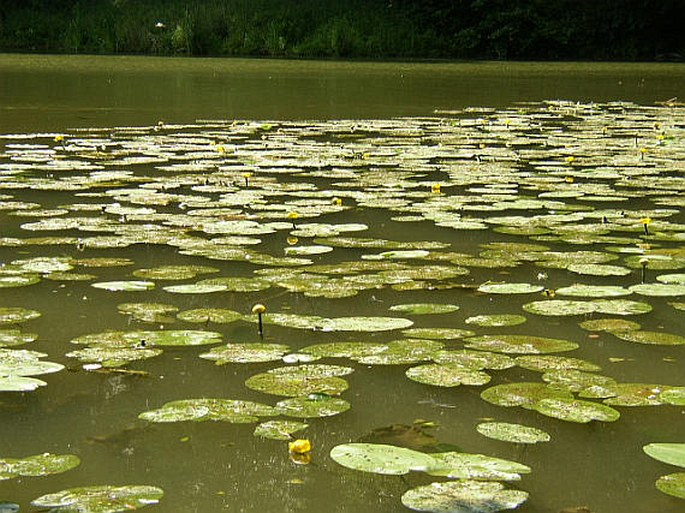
[311,406]
[515,433]
[100,499]
[148,338]
[111,357]
[198,410]
[576,410]
[496,320]
[447,375]
[463,497]
[658,338]
[246,353]
[39,465]
[301,380]
[424,308]
[520,344]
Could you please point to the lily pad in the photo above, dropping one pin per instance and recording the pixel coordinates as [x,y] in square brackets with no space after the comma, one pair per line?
[196,288]
[198,410]
[476,360]
[672,484]
[671,453]
[148,312]
[510,288]
[437,333]
[576,410]
[39,465]
[381,458]
[496,320]
[516,433]
[523,394]
[127,286]
[580,290]
[447,375]
[560,307]
[205,315]
[461,465]
[463,497]
[546,363]
[111,357]
[403,352]
[174,272]
[658,338]
[344,349]
[246,353]
[520,344]
[301,380]
[621,307]
[658,289]
[313,405]
[100,499]
[148,338]
[674,396]
[11,338]
[629,394]
[609,325]
[424,308]
[279,429]
[15,315]
[599,269]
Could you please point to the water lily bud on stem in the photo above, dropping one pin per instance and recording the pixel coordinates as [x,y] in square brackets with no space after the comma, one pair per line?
[259,309]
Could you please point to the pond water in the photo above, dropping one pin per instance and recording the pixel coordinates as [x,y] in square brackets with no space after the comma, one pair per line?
[472,215]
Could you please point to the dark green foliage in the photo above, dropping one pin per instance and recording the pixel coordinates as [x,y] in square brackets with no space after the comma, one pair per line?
[469,29]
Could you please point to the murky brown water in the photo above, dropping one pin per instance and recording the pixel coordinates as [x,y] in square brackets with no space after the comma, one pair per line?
[210,467]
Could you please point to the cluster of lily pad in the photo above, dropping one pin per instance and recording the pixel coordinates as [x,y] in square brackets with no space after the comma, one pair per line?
[579,204]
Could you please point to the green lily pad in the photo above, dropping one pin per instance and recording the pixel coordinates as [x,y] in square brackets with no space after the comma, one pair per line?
[381,458]
[463,497]
[476,360]
[15,315]
[510,288]
[461,465]
[127,286]
[516,433]
[671,453]
[546,363]
[672,484]
[11,338]
[424,308]
[196,288]
[313,405]
[110,357]
[24,280]
[576,410]
[676,279]
[437,333]
[520,344]
[198,410]
[148,312]
[580,290]
[674,396]
[447,375]
[279,429]
[233,284]
[344,349]
[403,352]
[523,394]
[576,380]
[174,272]
[246,353]
[621,307]
[650,337]
[14,383]
[560,307]
[150,338]
[629,394]
[599,269]
[205,315]
[39,465]
[658,289]
[301,380]
[100,499]
[496,320]
[364,324]
[21,362]
[609,325]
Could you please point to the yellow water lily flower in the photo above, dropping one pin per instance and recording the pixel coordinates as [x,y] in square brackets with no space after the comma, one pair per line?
[299,446]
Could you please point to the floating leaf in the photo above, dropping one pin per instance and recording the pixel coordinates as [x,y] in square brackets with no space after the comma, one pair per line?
[674,396]
[148,312]
[381,458]
[146,338]
[461,465]
[246,353]
[496,320]
[100,499]
[599,269]
[402,352]
[127,286]
[447,375]
[650,337]
[510,288]
[476,360]
[658,289]
[196,288]
[225,410]
[7,282]
[610,325]
[111,357]
[672,484]
[629,394]
[576,380]
[301,380]
[11,338]
[313,405]
[39,465]
[523,394]
[15,315]
[671,453]
[279,429]
[174,272]
[520,344]
[344,349]
[581,290]
[463,497]
[560,307]
[575,410]
[546,363]
[515,433]
[205,315]
[437,333]
[621,307]
[424,308]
